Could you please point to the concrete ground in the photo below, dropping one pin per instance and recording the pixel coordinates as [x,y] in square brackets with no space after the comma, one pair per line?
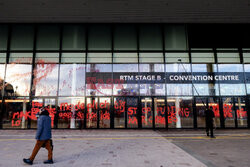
[130,148]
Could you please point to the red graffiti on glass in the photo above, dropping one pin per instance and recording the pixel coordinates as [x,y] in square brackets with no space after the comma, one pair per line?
[241,113]
[227,109]
[132,112]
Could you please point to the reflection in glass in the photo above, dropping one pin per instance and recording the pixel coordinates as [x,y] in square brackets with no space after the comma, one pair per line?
[180,112]
[125,58]
[214,103]
[175,57]
[151,58]
[19,58]
[72,80]
[151,67]
[152,89]
[228,57]
[232,89]
[175,37]
[201,107]
[132,112]
[45,80]
[178,68]
[18,80]
[92,109]
[230,68]
[125,67]
[2,71]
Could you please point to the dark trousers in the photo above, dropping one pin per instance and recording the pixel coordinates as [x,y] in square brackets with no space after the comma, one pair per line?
[37,147]
[210,128]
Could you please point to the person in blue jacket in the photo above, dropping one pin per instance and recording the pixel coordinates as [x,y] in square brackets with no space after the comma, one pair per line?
[43,137]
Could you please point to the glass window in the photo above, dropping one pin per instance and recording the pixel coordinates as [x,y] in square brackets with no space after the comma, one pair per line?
[21,58]
[232,89]
[125,37]
[73,38]
[151,58]
[240,107]
[125,67]
[180,112]
[178,68]
[2,58]
[204,68]
[47,58]
[177,57]
[99,37]
[3,37]
[151,67]
[125,58]
[175,37]
[48,38]
[206,89]
[119,112]
[15,114]
[46,80]
[132,112]
[72,80]
[229,112]
[202,57]
[99,58]
[230,67]
[71,112]
[150,37]
[99,80]
[22,38]
[152,89]
[246,57]
[126,89]
[73,57]
[18,80]
[179,89]
[228,57]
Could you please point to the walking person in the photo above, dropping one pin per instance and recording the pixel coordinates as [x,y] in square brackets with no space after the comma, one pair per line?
[43,137]
[209,121]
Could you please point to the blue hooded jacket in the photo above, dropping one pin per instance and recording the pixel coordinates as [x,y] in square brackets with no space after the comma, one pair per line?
[43,127]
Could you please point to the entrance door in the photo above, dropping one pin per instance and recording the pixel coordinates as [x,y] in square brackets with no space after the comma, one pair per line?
[104,112]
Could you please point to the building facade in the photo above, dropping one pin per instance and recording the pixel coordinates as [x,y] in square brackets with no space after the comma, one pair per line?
[125,75]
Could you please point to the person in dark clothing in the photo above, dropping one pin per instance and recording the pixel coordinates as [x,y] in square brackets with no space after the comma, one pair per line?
[209,121]
[43,137]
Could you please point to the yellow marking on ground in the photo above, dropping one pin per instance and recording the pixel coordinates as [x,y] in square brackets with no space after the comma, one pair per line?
[134,138]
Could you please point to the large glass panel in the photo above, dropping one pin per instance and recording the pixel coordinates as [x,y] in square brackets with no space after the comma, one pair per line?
[240,107]
[45,80]
[2,58]
[229,112]
[16,113]
[202,57]
[179,89]
[3,37]
[214,103]
[72,80]
[230,68]
[99,80]
[151,67]
[207,88]
[125,89]
[104,112]
[37,104]
[175,37]
[73,37]
[150,37]
[48,38]
[147,112]
[18,80]
[99,37]
[132,112]
[178,68]
[42,58]
[2,71]
[22,37]
[125,67]
[180,112]
[119,112]
[160,112]
[125,58]
[228,57]
[73,58]
[177,57]
[151,58]
[201,106]
[125,37]
[92,109]
[152,89]
[99,58]
[71,112]
[20,58]
[246,57]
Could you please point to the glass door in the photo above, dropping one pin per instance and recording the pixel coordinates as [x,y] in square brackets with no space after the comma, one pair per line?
[92,111]
[104,112]
[147,112]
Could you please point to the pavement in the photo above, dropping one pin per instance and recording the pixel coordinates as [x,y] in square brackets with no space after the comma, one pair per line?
[130,148]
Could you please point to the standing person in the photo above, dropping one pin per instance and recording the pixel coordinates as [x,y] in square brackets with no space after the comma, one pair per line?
[43,137]
[209,122]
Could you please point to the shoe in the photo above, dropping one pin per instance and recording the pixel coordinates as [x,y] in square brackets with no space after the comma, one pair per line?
[207,134]
[48,162]
[28,161]
[213,137]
